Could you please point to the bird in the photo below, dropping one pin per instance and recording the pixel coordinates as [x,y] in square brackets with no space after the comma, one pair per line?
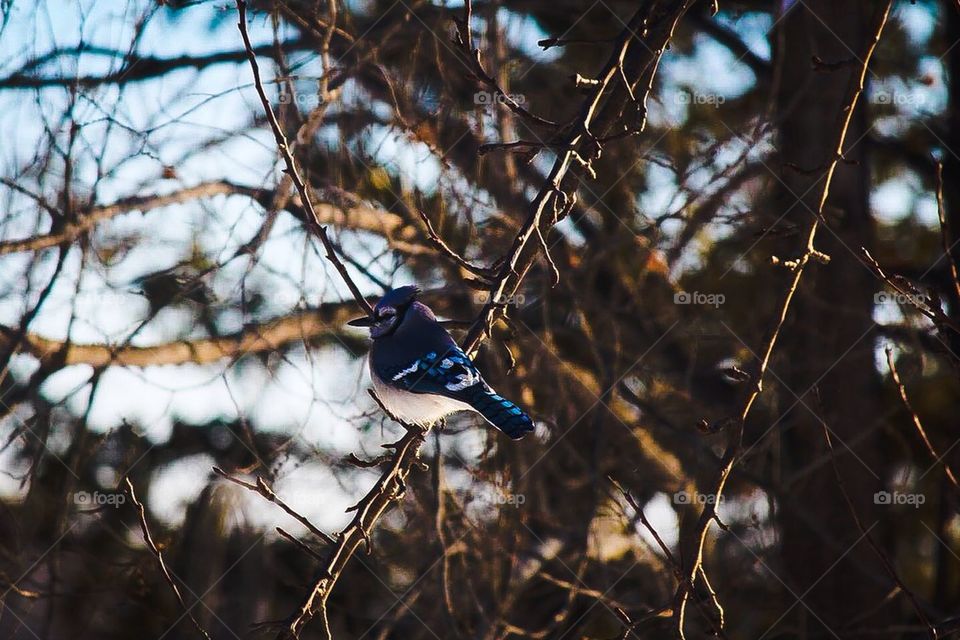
[421,375]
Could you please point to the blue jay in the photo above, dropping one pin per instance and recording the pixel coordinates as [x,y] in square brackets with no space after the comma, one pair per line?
[421,375]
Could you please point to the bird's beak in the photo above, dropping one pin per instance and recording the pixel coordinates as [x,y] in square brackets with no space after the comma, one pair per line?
[365,321]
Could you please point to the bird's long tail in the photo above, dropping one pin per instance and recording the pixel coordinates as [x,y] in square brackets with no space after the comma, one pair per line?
[500,412]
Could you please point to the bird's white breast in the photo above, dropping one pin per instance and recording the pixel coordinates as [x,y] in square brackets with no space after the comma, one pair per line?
[415,408]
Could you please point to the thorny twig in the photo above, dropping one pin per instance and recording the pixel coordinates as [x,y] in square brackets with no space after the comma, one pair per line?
[388,489]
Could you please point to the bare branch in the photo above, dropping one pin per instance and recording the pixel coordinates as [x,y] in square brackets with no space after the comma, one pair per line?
[159,556]
[264,490]
[136,68]
[291,170]
[389,489]
[916,420]
[734,443]
[358,217]
[269,337]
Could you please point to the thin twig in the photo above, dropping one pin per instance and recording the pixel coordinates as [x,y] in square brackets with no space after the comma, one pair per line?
[264,490]
[313,220]
[916,419]
[932,311]
[299,543]
[517,146]
[547,43]
[887,565]
[159,556]
[675,564]
[735,440]
[440,245]
[945,231]
[472,56]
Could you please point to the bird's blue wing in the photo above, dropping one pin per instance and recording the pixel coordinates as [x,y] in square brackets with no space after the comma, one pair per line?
[451,374]
[447,374]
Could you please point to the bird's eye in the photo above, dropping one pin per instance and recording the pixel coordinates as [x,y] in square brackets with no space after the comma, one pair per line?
[388,312]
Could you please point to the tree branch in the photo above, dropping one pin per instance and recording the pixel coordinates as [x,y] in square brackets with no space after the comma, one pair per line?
[268,337]
[359,217]
[389,489]
[155,550]
[731,454]
[313,220]
[136,68]
[657,21]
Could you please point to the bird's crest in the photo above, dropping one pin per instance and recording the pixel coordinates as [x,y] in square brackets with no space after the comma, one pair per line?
[398,297]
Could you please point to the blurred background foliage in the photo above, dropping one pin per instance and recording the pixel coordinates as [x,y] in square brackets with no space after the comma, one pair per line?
[164,310]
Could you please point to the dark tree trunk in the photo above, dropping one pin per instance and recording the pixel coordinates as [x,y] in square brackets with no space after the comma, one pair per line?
[946,579]
[827,371]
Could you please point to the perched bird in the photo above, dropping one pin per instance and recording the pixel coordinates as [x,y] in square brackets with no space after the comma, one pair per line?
[421,375]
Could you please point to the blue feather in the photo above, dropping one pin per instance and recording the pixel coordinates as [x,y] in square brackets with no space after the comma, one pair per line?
[451,374]
[413,353]
[499,411]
